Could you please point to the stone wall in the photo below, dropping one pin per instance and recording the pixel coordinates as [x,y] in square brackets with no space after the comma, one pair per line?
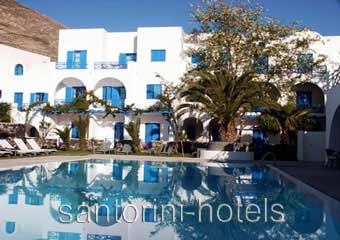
[12,130]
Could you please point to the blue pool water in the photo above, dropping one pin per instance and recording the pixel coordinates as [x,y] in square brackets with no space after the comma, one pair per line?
[142,200]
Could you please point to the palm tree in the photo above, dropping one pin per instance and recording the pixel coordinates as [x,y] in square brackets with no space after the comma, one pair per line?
[133,130]
[223,97]
[286,119]
[64,135]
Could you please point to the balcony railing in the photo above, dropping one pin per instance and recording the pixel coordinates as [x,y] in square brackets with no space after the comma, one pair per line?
[63,66]
[109,65]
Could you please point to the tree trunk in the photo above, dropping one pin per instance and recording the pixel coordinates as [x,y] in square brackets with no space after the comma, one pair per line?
[285,137]
[228,131]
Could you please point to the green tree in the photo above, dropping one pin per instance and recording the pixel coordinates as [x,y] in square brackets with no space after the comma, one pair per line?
[5,112]
[65,135]
[133,129]
[82,123]
[234,44]
[285,119]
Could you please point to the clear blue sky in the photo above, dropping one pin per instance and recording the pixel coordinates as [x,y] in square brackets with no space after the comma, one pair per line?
[126,15]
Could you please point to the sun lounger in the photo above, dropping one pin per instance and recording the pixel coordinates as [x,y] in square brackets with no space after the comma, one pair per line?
[5,153]
[34,145]
[7,146]
[168,150]
[127,149]
[22,146]
[106,147]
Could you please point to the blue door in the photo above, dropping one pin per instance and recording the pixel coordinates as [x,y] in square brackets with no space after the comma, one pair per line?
[152,132]
[74,132]
[119,131]
[18,99]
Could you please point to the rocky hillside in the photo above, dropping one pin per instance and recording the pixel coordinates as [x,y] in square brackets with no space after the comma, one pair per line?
[27,29]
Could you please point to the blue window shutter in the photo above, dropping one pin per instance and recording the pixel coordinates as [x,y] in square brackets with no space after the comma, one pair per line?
[10,227]
[32,98]
[83,59]
[69,94]
[157,90]
[122,93]
[105,97]
[69,63]
[18,99]
[148,130]
[122,58]
[158,55]
[116,100]
[45,97]
[150,91]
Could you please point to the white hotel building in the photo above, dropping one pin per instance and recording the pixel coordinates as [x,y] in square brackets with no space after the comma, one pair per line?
[124,68]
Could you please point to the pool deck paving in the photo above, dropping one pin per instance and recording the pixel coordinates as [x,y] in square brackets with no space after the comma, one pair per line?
[323,179]
[316,175]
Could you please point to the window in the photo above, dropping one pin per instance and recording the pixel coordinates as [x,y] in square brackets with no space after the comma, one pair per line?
[39,97]
[0,93]
[261,64]
[114,95]
[158,55]
[73,92]
[19,70]
[305,63]
[76,59]
[304,99]
[10,227]
[153,91]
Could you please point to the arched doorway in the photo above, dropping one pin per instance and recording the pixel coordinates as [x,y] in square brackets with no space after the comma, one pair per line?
[193,128]
[112,90]
[334,139]
[310,96]
[69,89]
[32,132]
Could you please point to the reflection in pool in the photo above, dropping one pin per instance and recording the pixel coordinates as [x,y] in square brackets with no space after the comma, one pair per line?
[31,200]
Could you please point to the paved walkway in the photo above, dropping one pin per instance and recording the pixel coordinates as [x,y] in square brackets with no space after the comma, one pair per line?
[324,179]
[28,161]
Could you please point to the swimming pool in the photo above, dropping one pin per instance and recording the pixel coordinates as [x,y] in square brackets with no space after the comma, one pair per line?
[107,199]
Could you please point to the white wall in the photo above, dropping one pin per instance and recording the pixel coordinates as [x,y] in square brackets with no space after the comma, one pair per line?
[311,146]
